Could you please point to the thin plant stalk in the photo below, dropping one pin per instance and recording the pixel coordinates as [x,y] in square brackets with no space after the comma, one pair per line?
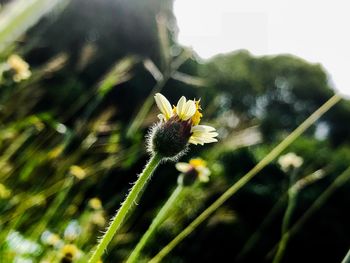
[53,209]
[252,241]
[346,258]
[317,204]
[247,177]
[19,16]
[292,200]
[157,221]
[129,202]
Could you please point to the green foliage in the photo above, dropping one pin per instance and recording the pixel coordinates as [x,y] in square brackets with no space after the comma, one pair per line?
[63,139]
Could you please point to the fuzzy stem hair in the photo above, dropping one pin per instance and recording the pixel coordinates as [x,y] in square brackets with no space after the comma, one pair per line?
[129,202]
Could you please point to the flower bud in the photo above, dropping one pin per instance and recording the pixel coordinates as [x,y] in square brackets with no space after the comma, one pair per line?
[170,139]
[188,178]
[190,172]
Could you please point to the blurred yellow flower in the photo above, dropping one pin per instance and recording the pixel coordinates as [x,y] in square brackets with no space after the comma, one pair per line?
[95,203]
[77,171]
[69,252]
[196,166]
[4,192]
[20,68]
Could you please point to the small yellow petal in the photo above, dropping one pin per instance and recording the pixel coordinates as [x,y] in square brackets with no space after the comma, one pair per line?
[196,118]
[198,162]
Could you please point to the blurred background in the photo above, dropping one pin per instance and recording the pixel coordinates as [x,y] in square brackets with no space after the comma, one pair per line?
[77,80]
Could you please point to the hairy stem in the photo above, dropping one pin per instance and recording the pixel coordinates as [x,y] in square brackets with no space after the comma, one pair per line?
[129,202]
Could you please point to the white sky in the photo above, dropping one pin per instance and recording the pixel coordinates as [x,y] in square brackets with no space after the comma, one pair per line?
[316,30]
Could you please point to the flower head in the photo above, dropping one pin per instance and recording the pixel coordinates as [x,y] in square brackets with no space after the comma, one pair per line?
[69,253]
[179,125]
[4,192]
[194,169]
[95,203]
[20,68]
[290,161]
[77,171]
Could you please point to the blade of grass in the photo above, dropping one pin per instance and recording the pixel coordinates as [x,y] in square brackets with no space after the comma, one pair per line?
[247,177]
[19,16]
[157,221]
[347,258]
[292,202]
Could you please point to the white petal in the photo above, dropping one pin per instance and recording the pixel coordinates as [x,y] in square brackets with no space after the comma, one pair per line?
[203,128]
[164,106]
[194,141]
[203,134]
[183,167]
[203,178]
[203,171]
[180,105]
[185,109]
[190,110]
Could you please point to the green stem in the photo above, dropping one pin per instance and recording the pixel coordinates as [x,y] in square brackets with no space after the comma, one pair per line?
[130,200]
[53,209]
[292,198]
[316,205]
[247,177]
[252,241]
[347,258]
[159,219]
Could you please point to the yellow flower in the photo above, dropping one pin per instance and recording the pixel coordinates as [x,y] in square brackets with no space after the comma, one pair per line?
[290,160]
[69,252]
[95,203]
[77,171]
[196,166]
[188,112]
[20,68]
[4,192]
